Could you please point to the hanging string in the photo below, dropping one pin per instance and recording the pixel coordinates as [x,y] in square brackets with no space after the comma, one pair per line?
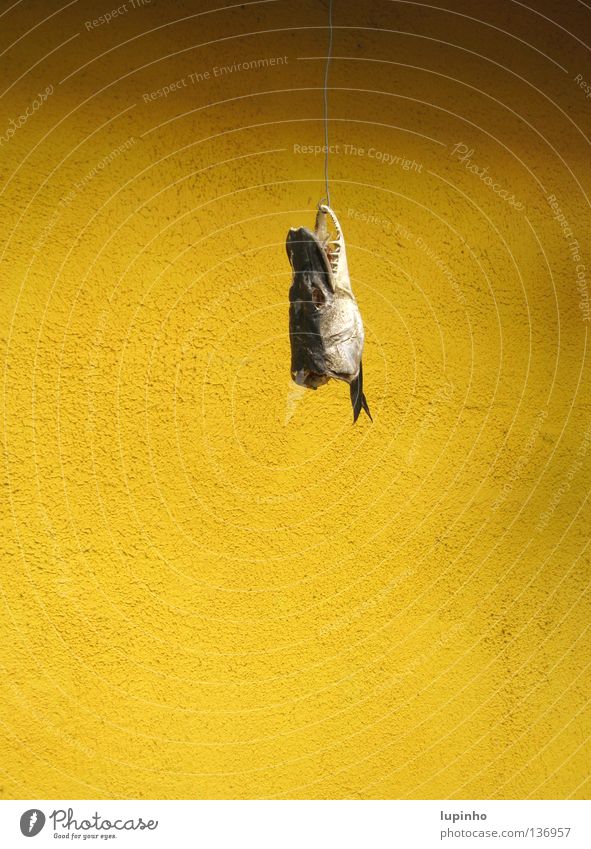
[326,69]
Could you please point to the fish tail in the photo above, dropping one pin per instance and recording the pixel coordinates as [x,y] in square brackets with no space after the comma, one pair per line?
[358,399]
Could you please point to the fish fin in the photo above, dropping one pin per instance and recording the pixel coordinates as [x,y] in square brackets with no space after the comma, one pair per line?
[358,399]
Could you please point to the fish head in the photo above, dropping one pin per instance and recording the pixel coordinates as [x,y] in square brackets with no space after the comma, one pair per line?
[325,326]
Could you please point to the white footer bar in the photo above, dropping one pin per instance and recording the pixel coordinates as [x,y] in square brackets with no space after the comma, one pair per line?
[296,824]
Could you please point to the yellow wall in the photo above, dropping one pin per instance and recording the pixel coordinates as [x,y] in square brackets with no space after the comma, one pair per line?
[211,586]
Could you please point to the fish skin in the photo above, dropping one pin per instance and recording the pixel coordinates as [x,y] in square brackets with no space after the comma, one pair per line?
[325,326]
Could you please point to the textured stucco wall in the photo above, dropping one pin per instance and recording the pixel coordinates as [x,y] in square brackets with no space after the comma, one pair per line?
[212,586]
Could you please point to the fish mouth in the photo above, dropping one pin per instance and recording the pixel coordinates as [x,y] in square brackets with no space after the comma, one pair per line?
[306,251]
[328,231]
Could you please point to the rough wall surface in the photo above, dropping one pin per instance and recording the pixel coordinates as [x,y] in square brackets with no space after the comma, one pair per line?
[213,586]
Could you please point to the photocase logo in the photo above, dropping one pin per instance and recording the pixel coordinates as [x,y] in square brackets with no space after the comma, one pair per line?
[32,822]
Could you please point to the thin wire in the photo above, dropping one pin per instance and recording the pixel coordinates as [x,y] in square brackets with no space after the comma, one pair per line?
[326,69]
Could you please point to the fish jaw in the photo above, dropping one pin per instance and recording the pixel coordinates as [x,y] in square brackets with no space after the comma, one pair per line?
[329,233]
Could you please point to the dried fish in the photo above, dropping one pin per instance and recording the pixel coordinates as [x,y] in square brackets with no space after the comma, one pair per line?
[325,326]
